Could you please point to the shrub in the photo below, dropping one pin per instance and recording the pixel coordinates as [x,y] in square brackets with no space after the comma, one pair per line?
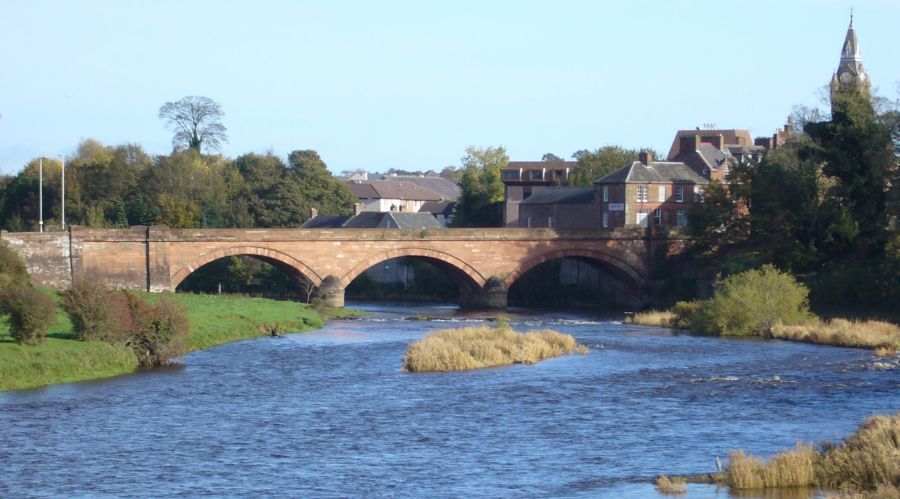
[96,312]
[12,268]
[673,486]
[751,302]
[745,472]
[659,318]
[158,332]
[30,312]
[683,314]
[478,347]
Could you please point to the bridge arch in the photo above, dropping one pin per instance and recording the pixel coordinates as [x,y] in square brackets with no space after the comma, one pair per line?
[276,258]
[457,268]
[611,261]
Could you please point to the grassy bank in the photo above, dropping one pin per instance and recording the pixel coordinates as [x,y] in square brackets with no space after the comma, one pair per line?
[478,347]
[214,320]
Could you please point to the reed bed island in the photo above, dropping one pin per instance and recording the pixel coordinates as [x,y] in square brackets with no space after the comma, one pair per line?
[470,348]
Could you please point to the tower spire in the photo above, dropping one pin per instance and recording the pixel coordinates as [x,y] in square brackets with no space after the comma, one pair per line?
[850,74]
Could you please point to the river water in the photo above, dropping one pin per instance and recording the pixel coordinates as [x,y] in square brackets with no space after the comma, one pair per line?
[329,413]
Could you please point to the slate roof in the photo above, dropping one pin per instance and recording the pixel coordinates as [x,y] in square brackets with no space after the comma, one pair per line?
[562,195]
[550,165]
[438,207]
[445,188]
[659,172]
[390,189]
[365,220]
[409,220]
[325,222]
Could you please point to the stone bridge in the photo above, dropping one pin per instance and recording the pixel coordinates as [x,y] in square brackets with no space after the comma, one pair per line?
[484,262]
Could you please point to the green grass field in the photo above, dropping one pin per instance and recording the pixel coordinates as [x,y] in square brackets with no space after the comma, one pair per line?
[214,320]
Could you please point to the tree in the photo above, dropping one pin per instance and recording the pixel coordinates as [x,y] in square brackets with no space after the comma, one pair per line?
[550,157]
[196,121]
[595,164]
[482,188]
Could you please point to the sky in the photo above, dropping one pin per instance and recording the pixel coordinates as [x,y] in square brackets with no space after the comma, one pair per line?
[409,85]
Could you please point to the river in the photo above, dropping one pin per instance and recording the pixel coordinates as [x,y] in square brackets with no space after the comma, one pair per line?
[329,413]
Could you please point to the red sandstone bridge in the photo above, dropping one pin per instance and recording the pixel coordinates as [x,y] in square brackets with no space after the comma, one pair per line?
[484,262]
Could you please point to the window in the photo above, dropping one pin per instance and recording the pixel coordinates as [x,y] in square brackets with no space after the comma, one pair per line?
[698,194]
[641,218]
[679,194]
[605,193]
[605,219]
[550,222]
[529,222]
[662,193]
[537,174]
[657,216]
[559,174]
[681,218]
[510,175]
[642,194]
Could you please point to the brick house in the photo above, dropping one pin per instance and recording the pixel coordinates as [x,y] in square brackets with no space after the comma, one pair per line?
[649,192]
[521,179]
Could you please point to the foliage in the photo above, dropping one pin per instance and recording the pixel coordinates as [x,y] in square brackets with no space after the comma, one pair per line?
[751,302]
[96,312]
[482,188]
[159,331]
[683,314]
[12,268]
[30,313]
[790,468]
[196,121]
[598,163]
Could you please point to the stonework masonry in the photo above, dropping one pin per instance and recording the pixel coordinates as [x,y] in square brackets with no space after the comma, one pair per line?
[485,262]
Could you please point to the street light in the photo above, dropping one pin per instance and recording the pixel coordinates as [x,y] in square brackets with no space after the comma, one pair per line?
[41,194]
[63,159]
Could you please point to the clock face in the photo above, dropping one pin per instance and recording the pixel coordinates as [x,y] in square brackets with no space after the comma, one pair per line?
[846,78]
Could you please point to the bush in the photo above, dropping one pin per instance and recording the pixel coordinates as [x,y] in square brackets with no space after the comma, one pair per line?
[12,268]
[30,312]
[867,460]
[683,314]
[751,302]
[96,312]
[158,332]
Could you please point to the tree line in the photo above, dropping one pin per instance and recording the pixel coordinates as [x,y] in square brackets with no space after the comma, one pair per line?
[824,207]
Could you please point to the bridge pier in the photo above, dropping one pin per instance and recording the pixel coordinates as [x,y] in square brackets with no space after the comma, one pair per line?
[491,297]
[331,292]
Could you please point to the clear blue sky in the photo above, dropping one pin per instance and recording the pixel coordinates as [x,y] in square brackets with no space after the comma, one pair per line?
[410,85]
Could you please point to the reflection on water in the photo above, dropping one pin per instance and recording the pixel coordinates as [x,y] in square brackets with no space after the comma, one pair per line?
[330,413]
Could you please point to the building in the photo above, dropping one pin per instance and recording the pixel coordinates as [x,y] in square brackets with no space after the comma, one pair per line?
[523,178]
[649,192]
[374,220]
[850,74]
[388,195]
[558,207]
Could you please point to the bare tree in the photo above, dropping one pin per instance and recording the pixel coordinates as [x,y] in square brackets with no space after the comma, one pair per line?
[197,121]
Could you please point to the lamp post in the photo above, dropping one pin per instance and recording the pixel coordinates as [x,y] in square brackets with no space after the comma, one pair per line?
[41,194]
[63,160]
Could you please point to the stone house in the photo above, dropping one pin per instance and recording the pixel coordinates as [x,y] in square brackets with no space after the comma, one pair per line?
[385,196]
[521,179]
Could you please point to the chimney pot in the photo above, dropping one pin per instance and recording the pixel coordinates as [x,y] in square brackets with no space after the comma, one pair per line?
[646,157]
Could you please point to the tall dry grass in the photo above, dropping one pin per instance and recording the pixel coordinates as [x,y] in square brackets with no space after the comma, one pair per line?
[868,461]
[478,347]
[661,318]
[672,486]
[841,332]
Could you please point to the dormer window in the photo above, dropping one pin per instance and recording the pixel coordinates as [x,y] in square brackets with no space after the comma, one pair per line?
[537,174]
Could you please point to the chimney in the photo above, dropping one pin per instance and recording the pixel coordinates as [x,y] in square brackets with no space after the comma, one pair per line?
[646,157]
[313,213]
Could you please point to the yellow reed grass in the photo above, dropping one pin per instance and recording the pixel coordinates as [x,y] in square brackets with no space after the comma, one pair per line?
[478,347]
[841,332]
[745,471]
[867,460]
[662,318]
[672,486]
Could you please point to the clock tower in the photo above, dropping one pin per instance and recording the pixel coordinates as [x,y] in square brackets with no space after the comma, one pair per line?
[850,74]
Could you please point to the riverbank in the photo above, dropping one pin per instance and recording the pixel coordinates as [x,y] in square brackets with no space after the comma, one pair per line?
[879,336]
[215,320]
